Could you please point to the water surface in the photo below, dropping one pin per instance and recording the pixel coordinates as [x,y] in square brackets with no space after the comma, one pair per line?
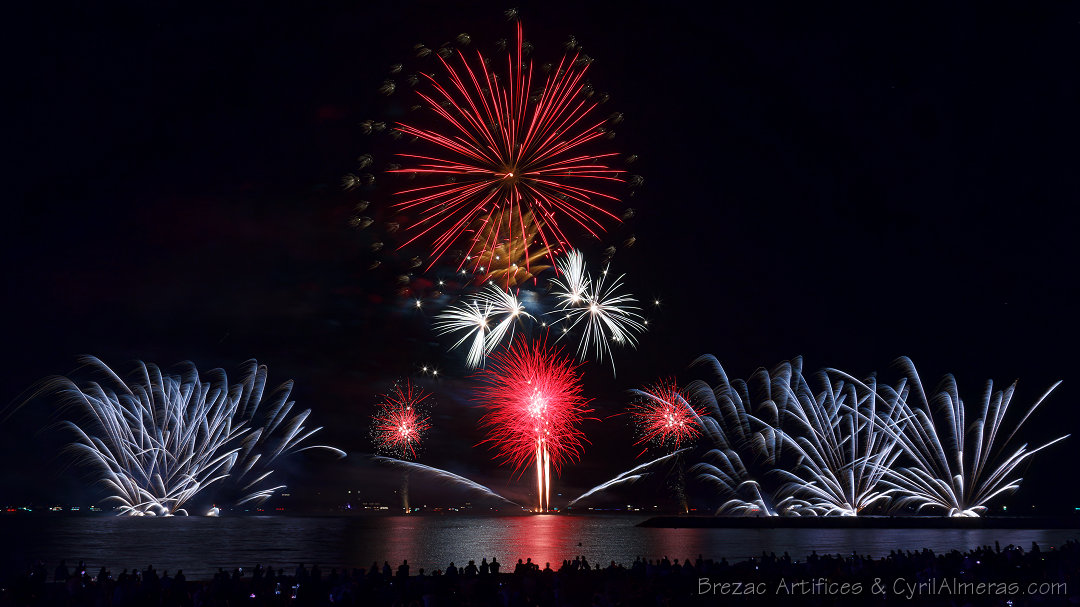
[200,545]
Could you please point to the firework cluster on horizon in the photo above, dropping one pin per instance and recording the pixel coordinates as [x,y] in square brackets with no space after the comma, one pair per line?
[782,444]
[160,439]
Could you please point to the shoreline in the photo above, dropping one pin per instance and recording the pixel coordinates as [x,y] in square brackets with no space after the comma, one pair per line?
[859,522]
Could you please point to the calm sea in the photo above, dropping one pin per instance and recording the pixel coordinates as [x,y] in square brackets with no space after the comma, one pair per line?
[200,545]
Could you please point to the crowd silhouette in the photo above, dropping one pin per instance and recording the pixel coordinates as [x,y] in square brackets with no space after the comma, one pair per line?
[990,575]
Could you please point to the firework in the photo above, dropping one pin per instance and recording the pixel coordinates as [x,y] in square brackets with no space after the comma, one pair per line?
[607,316]
[504,305]
[572,284]
[628,477]
[664,416]
[855,445]
[510,263]
[501,149]
[743,443]
[776,445]
[443,476]
[534,406]
[399,423]
[472,319]
[485,319]
[961,474]
[159,440]
[845,440]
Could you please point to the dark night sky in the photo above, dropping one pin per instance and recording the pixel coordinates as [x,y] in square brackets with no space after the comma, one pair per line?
[848,184]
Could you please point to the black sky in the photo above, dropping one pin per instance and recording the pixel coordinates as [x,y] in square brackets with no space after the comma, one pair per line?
[849,184]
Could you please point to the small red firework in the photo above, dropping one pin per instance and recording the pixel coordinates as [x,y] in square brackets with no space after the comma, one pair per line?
[400,423]
[664,415]
[534,400]
[504,152]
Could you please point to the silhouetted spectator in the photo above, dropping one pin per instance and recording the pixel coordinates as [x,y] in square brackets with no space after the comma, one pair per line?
[61,573]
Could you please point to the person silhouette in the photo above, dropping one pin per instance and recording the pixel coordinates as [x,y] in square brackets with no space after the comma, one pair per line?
[61,573]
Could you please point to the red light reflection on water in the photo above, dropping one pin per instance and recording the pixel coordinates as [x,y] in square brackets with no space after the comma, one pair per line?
[433,542]
[677,544]
[399,539]
[552,538]
[544,538]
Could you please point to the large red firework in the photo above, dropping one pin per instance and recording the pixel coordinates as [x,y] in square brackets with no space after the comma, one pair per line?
[400,423]
[534,406]
[504,152]
[664,415]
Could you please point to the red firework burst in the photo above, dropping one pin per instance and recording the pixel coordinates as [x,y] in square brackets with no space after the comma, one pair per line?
[664,415]
[504,153]
[400,423]
[534,400]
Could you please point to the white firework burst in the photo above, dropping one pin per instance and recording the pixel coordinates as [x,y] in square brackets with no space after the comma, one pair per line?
[472,318]
[606,315]
[955,466]
[159,440]
[485,320]
[505,307]
[845,439]
[572,282]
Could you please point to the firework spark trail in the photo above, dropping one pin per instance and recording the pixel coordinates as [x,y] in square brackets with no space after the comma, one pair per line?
[159,440]
[607,315]
[442,475]
[399,423]
[664,416]
[628,477]
[944,474]
[843,452]
[534,405]
[475,317]
[500,149]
